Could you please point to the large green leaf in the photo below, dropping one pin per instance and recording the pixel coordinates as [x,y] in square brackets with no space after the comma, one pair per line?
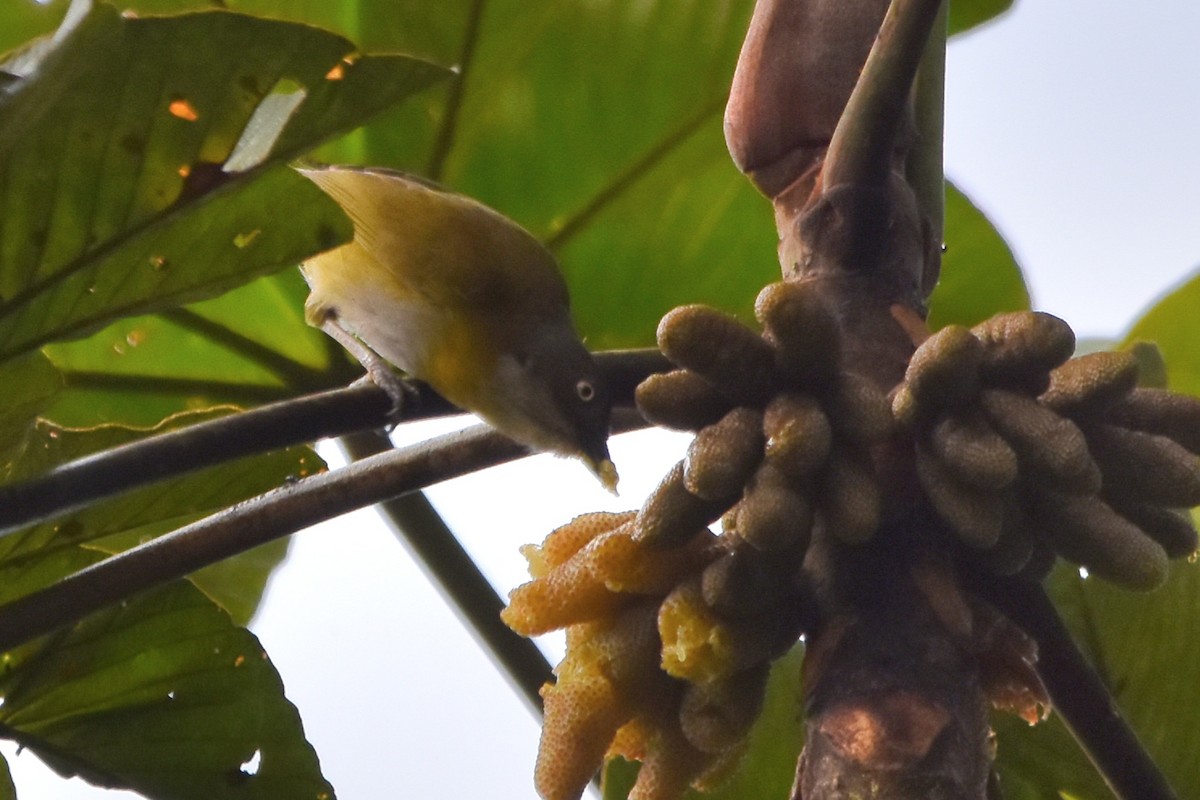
[1145,645]
[1145,648]
[7,790]
[979,275]
[31,383]
[632,187]
[20,23]
[1043,761]
[248,346]
[966,14]
[596,124]
[1142,645]
[94,700]
[516,141]
[114,198]
[653,211]
[709,239]
[1173,324]
[127,520]
[163,695]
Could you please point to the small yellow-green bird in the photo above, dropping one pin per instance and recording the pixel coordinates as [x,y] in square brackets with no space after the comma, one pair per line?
[461,297]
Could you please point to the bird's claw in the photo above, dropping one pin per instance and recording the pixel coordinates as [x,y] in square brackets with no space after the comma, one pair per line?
[379,371]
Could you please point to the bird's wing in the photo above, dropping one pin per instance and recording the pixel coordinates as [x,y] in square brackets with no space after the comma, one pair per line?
[446,247]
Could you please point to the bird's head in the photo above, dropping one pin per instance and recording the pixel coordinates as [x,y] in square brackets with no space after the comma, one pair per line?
[555,399]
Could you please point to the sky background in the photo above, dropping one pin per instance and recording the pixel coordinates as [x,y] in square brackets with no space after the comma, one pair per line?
[1075,132]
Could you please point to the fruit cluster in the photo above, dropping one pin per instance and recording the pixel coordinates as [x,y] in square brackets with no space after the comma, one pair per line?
[1026,453]
[1022,451]
[671,628]
[616,693]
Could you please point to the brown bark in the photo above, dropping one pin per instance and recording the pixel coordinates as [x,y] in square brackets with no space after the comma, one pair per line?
[893,695]
[907,652]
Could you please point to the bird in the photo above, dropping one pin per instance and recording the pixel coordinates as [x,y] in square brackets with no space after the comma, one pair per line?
[462,298]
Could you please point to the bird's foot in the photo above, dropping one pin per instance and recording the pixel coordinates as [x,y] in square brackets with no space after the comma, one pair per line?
[379,372]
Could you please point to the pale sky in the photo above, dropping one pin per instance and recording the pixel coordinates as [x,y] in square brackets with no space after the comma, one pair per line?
[1074,130]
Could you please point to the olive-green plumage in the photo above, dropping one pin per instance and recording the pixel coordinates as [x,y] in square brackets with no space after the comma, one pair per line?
[466,300]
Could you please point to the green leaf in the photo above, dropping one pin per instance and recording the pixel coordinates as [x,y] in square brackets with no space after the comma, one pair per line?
[979,275]
[1152,367]
[124,521]
[1043,761]
[8,791]
[966,14]
[21,22]
[164,696]
[140,214]
[673,246]
[31,383]
[633,189]
[1145,649]
[238,584]
[769,766]
[246,347]
[1173,324]
[618,778]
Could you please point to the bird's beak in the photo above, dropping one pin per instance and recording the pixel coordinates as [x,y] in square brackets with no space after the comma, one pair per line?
[605,470]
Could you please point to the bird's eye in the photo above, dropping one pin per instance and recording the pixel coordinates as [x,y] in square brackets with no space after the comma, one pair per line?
[585,390]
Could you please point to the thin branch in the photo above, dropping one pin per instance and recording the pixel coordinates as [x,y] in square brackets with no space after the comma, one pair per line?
[449,127]
[417,523]
[632,174]
[284,424]
[79,483]
[625,369]
[1077,693]
[270,516]
[289,371]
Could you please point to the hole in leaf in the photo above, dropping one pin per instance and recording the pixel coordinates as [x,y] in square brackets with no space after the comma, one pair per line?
[250,766]
[183,109]
[266,125]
